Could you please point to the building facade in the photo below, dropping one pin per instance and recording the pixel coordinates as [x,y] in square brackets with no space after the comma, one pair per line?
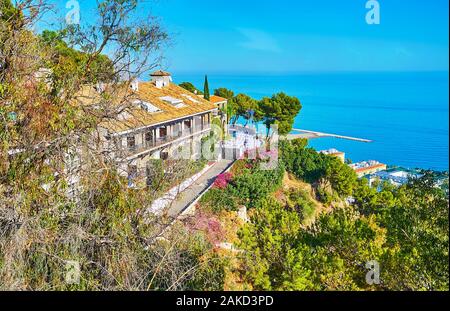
[335,153]
[163,121]
[367,167]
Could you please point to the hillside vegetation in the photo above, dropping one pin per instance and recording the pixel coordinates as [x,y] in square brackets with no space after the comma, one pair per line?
[102,238]
[303,235]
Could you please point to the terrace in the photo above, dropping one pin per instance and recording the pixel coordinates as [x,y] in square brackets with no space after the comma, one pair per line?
[149,139]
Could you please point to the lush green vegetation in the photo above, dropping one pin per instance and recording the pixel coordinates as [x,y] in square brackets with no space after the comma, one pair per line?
[330,176]
[250,187]
[306,237]
[224,92]
[282,255]
[290,245]
[65,60]
[404,229]
[280,109]
[244,106]
[230,107]
[190,87]
[409,240]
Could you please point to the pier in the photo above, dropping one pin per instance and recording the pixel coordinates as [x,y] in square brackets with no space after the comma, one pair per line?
[312,134]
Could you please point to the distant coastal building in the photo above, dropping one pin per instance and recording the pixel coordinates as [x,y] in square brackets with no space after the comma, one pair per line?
[335,153]
[396,176]
[367,167]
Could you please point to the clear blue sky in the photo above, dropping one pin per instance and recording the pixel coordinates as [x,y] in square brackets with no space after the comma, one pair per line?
[299,35]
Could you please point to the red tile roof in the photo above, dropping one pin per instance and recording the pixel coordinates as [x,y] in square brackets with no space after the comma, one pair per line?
[363,169]
[216,99]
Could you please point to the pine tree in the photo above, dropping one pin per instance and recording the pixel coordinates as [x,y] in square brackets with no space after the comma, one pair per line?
[206,88]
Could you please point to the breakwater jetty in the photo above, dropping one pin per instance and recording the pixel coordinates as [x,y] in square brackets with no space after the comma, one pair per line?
[313,134]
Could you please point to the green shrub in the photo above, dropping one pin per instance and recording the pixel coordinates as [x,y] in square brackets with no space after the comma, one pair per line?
[318,169]
[219,199]
[254,185]
[251,186]
[300,201]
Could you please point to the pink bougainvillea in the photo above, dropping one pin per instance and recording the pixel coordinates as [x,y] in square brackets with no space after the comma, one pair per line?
[260,154]
[268,154]
[222,180]
[209,224]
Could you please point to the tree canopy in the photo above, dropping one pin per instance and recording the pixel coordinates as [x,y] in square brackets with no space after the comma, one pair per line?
[405,233]
[321,170]
[224,92]
[244,106]
[281,110]
[190,87]
[67,60]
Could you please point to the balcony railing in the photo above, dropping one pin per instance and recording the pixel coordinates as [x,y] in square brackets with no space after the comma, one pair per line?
[156,142]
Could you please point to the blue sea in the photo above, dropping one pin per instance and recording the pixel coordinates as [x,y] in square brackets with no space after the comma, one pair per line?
[405,114]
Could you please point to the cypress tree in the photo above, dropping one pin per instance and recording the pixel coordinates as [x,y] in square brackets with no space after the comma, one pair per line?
[206,88]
